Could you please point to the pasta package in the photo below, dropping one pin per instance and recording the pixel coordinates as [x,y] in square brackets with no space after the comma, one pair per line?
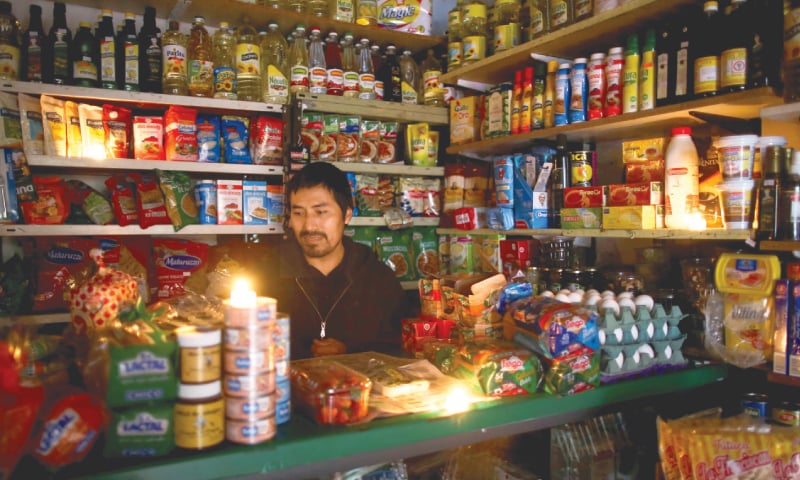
[10,129]
[176,261]
[74,139]
[30,110]
[93,136]
[117,130]
[178,191]
[55,126]
[394,249]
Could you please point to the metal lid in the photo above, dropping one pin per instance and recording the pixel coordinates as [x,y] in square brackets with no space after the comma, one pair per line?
[200,391]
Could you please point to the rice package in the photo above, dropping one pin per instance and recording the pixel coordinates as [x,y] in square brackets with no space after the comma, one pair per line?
[235,137]
[498,368]
[208,148]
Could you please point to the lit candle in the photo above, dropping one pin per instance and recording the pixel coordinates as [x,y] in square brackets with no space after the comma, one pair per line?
[242,296]
[457,401]
[696,221]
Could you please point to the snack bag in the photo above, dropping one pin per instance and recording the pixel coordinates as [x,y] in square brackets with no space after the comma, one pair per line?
[178,190]
[60,263]
[498,368]
[51,206]
[123,199]
[176,261]
[55,126]
[92,136]
[90,201]
[31,121]
[10,129]
[394,249]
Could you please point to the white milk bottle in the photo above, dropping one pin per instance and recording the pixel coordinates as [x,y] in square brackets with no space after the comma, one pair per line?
[681,178]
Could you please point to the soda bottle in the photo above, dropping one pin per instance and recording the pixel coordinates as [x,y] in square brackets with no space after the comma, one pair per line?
[333,61]
[106,43]
[409,75]
[349,66]
[298,6]
[317,68]
[33,52]
[317,7]
[223,46]
[366,74]
[367,12]
[432,93]
[128,71]
[174,65]
[201,65]
[85,57]
[390,73]
[59,41]
[248,62]
[298,61]
[150,55]
[276,65]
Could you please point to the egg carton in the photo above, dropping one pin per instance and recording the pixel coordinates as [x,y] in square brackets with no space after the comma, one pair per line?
[641,325]
[626,361]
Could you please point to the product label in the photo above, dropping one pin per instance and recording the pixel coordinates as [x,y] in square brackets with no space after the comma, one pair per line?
[430,81]
[248,61]
[537,21]
[34,58]
[630,84]
[706,78]
[318,79]
[350,81]
[733,67]
[409,94]
[277,84]
[454,50]
[682,72]
[108,60]
[344,11]
[174,61]
[201,364]
[614,87]
[224,80]
[597,90]
[506,36]
[199,425]
[335,79]
[662,89]
[132,63]
[378,89]
[84,69]
[398,13]
[474,48]
[9,62]
[299,76]
[559,13]
[60,55]
[646,82]
[474,11]
[201,72]
[366,84]
[583,8]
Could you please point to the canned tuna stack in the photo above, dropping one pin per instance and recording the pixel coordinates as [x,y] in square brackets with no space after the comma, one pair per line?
[280,337]
[249,371]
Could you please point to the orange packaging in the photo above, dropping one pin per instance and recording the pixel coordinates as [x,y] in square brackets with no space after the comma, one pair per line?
[249,362]
[148,138]
[117,128]
[249,385]
[181,130]
[68,431]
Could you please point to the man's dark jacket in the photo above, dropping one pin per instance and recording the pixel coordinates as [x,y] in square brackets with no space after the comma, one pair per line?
[361,298]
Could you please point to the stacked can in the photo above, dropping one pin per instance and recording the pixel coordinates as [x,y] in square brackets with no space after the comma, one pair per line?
[280,337]
[249,366]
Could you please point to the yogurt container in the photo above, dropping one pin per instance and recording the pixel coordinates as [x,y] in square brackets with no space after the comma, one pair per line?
[736,156]
[738,203]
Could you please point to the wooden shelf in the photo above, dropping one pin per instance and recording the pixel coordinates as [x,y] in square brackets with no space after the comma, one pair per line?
[380,222]
[129,164]
[779,245]
[661,233]
[375,109]
[139,99]
[391,169]
[787,112]
[655,122]
[783,379]
[89,230]
[597,33]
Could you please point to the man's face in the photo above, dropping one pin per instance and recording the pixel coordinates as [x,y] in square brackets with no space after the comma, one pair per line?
[317,221]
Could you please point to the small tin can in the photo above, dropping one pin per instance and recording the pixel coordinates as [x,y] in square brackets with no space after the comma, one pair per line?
[281,370]
[247,339]
[571,280]
[283,391]
[249,362]
[786,413]
[555,283]
[250,385]
[534,277]
[261,315]
[249,408]
[250,432]
[283,412]
[754,404]
[282,326]
[582,165]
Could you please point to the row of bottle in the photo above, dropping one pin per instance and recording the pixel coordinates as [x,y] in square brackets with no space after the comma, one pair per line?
[362,12]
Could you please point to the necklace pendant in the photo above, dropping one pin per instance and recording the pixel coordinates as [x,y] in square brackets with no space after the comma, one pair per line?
[322,330]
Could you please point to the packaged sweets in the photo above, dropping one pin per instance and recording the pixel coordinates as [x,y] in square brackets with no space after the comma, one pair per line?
[329,392]
[498,368]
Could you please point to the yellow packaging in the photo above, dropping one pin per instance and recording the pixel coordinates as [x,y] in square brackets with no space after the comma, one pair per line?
[747,274]
[55,126]
[410,16]
[199,417]
[643,150]
[74,139]
[93,135]
[464,120]
[417,143]
[640,217]
[461,256]
[486,250]
[433,148]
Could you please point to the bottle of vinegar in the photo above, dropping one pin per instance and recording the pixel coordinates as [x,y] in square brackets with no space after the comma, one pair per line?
[333,62]
[85,57]
[58,70]
[129,72]
[298,61]
[349,66]
[366,73]
[317,67]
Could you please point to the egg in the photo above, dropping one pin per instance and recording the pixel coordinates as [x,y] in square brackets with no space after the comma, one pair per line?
[645,301]
[575,297]
[608,293]
[624,295]
[590,300]
[580,292]
[601,335]
[548,294]
[668,352]
[565,291]
[619,360]
[609,304]
[646,350]
[592,291]
[626,302]
[562,298]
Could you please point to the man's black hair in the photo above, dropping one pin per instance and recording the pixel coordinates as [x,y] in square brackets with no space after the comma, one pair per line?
[322,174]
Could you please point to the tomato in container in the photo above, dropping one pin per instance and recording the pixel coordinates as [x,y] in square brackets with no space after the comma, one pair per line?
[329,392]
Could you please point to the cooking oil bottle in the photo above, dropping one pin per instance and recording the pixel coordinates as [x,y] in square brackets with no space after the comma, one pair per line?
[223,47]
[275,51]
[9,43]
[432,93]
[174,47]
[85,58]
[150,53]
[455,47]
[298,61]
[367,12]
[129,74]
[343,10]
[473,28]
[298,6]
[409,73]
[201,65]
[539,12]
[318,8]
[506,29]
[248,62]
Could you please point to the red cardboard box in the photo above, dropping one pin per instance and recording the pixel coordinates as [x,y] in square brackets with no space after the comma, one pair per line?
[651,171]
[634,194]
[584,197]
[517,255]
[414,330]
[470,218]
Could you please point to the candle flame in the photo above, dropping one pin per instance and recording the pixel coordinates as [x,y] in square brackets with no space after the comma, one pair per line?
[242,295]
[696,221]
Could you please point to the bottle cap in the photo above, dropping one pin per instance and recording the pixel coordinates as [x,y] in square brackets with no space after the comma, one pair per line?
[564,66]
[539,69]
[518,76]
[615,51]
[198,392]
[223,24]
[579,60]
[633,44]
[597,56]
[552,66]
[650,39]
[681,131]
[528,74]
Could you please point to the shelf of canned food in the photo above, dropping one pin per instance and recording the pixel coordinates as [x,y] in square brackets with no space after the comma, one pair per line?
[657,233]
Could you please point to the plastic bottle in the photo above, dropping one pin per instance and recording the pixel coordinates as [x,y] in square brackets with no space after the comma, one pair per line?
[516,102]
[150,54]
[507,28]
[106,42]
[349,66]
[455,47]
[706,63]
[377,63]
[366,75]
[275,53]
[432,94]
[200,61]
[410,79]
[85,57]
[333,62]
[562,95]
[474,16]
[596,76]
[343,10]
[298,6]
[582,9]
[318,8]
[714,338]
[279,4]
[681,176]
[298,62]
[630,82]
[367,12]
[539,12]
[392,83]
[34,51]
[561,14]
[579,91]
[129,73]
[223,47]
[647,72]
[614,65]
[733,60]
[9,43]
[317,67]
[526,106]
[59,67]
[248,62]
[174,65]
[550,94]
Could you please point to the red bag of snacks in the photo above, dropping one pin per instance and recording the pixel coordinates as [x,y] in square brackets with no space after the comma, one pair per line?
[181,129]
[123,199]
[176,261]
[60,262]
[266,140]
[51,206]
[117,127]
[69,430]
[150,202]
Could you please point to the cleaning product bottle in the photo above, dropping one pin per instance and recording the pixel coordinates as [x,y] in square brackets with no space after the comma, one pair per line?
[630,82]
[647,72]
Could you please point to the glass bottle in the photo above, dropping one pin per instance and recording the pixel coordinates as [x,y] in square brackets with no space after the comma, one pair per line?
[318,8]
[685,50]
[174,63]
[582,9]
[561,14]
[367,12]
[84,57]
[409,74]
[150,54]
[317,68]
[299,154]
[248,62]
[706,63]
[343,10]
[764,53]
[366,74]
[377,63]
[298,61]
[454,45]
[473,28]
[550,94]
[200,63]
[507,28]
[129,71]
[540,18]
[59,41]
[276,66]
[106,42]
[223,47]
[333,62]
[34,53]
[9,43]
[561,179]
[298,6]
[774,171]
[349,66]
[733,61]
[392,83]
[432,93]
[665,64]
[281,4]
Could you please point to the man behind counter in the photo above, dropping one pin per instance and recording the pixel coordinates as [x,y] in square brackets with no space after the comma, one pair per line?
[339,296]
